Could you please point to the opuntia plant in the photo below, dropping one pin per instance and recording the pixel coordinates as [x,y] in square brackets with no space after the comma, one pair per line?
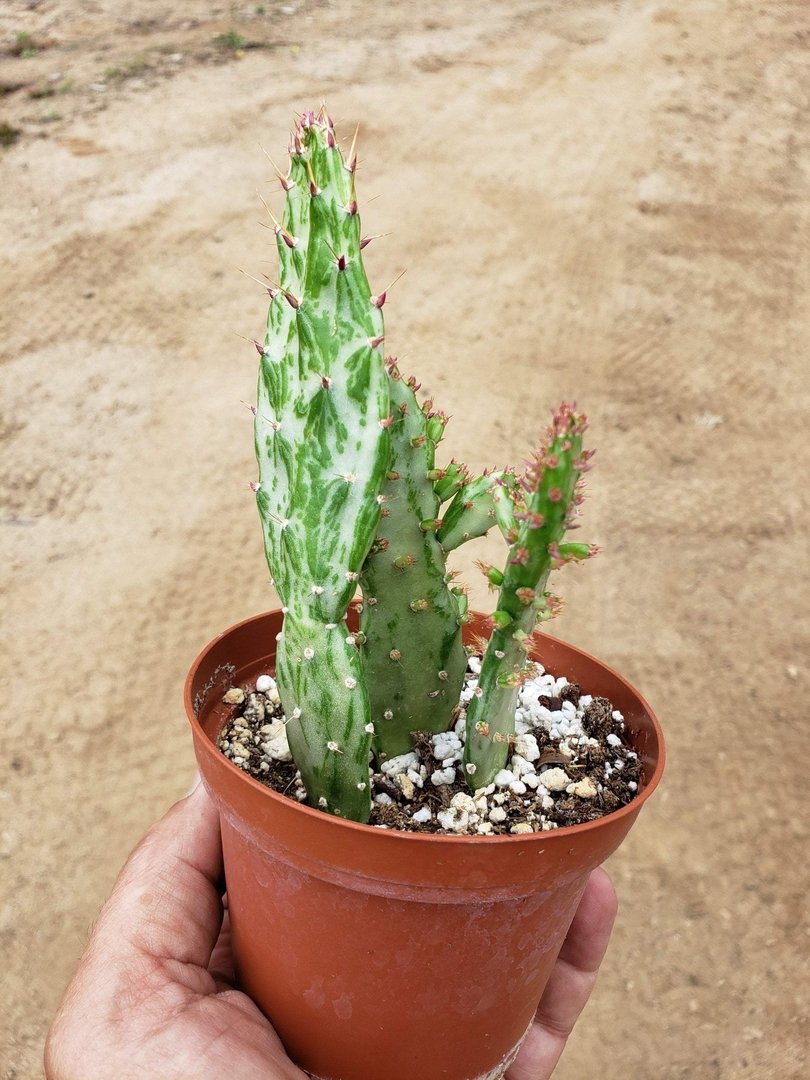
[350,497]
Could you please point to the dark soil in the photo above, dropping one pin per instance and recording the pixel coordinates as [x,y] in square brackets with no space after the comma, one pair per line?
[615,785]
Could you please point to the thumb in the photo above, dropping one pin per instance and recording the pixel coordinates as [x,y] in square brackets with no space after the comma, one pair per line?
[166,902]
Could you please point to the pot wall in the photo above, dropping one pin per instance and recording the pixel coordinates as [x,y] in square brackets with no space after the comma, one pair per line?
[376,952]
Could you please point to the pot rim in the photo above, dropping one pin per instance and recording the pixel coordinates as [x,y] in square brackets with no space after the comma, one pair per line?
[398,835]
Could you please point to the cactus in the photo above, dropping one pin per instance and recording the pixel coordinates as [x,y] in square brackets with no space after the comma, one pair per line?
[411,622]
[349,494]
[322,444]
[552,492]
[413,654]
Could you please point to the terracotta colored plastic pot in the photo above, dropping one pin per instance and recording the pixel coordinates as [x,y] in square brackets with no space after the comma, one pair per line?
[377,953]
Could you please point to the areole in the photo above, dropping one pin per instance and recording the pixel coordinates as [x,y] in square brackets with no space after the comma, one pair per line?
[376,952]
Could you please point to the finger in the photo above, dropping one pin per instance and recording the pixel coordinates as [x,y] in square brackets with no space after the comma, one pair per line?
[166,902]
[571,982]
[221,963]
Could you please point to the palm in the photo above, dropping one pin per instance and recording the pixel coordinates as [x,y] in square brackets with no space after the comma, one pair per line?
[154,993]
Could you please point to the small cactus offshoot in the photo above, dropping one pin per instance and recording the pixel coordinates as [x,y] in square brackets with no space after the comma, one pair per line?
[350,496]
[550,493]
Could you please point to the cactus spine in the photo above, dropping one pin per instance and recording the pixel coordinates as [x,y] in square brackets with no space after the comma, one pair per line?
[322,445]
[551,494]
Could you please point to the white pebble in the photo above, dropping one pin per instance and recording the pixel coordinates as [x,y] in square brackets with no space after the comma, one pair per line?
[382,799]
[463,803]
[265,683]
[497,814]
[518,787]
[422,815]
[555,779]
[442,777]
[235,696]
[613,740]
[484,828]
[504,778]
[585,788]
[453,820]
[521,765]
[399,764]
[521,827]
[526,746]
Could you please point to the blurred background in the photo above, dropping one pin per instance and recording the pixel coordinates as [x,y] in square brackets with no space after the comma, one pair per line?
[600,201]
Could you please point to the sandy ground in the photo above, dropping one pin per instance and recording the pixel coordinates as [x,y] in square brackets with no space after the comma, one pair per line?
[600,200]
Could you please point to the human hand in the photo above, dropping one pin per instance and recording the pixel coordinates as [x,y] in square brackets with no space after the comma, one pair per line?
[154,997]
[571,983]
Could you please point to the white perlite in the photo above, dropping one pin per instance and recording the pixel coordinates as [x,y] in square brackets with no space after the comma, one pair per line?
[523,795]
[555,779]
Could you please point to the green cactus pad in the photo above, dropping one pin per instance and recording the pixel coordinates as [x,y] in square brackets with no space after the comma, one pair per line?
[322,446]
[413,654]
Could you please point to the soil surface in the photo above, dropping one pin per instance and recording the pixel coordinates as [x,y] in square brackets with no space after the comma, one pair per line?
[600,201]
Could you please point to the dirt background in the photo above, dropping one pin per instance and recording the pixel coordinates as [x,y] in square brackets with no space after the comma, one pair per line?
[606,201]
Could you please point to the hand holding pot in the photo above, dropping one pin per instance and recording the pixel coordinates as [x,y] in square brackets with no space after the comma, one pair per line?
[154,993]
